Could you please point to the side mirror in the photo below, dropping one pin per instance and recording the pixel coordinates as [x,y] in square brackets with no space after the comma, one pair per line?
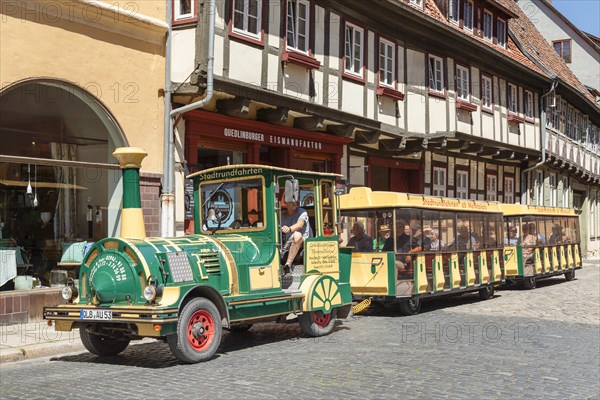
[291,191]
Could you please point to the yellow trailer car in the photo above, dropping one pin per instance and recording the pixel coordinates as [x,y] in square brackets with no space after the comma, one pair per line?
[540,242]
[407,247]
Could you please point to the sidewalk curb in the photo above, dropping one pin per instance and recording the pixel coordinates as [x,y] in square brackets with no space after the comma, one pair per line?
[39,350]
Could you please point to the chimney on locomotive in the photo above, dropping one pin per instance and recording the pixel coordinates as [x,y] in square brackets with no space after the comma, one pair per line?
[132,218]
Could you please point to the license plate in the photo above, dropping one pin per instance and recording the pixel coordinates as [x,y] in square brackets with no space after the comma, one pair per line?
[102,315]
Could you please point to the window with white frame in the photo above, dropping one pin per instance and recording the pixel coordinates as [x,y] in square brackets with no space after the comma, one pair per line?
[565,193]
[487,100]
[439,181]
[184,9]
[529,104]
[513,98]
[387,63]
[436,74]
[298,23]
[491,187]
[468,15]
[462,83]
[417,2]
[462,184]
[488,17]
[453,10]
[501,32]
[553,191]
[247,18]
[353,64]
[509,189]
[539,188]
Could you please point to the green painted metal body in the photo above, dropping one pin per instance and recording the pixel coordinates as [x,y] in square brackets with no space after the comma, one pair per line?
[115,271]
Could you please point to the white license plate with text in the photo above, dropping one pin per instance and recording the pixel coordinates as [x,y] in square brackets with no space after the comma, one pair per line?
[102,315]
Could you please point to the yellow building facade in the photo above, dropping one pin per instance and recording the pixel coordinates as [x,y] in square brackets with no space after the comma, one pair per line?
[77,80]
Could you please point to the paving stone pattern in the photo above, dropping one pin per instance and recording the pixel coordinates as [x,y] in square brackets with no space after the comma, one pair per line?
[537,344]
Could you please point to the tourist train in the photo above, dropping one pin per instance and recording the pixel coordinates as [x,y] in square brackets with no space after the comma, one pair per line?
[231,272]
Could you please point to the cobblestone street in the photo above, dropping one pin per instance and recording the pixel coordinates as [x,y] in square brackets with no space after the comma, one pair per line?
[543,343]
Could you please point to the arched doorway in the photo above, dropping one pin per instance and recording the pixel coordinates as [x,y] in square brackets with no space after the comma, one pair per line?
[57,143]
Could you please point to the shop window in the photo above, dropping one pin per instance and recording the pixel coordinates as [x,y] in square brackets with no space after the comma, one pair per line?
[210,157]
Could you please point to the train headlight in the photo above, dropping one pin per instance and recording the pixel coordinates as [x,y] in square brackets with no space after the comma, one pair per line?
[152,291]
[69,292]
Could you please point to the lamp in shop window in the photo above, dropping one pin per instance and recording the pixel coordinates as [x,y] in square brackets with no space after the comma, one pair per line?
[35,198]
[29,190]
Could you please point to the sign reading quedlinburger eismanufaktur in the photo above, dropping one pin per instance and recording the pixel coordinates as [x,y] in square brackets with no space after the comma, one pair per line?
[272,139]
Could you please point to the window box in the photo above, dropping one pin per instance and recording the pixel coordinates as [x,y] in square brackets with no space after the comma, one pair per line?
[300,59]
[389,92]
[463,105]
[515,118]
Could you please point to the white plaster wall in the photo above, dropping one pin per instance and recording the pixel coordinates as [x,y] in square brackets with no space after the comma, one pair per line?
[332,91]
[245,63]
[274,22]
[352,97]
[319,50]
[476,99]
[357,175]
[183,54]
[272,71]
[487,125]
[437,114]
[296,82]
[371,104]
[387,109]
[318,75]
[334,40]
[415,100]
[371,73]
[219,53]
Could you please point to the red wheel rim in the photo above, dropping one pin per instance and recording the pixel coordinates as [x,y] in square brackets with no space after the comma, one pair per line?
[200,330]
[321,319]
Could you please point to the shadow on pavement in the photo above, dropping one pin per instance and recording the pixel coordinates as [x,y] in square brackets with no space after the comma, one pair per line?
[157,354]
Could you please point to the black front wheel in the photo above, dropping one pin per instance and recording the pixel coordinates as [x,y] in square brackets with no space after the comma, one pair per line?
[411,306]
[486,293]
[529,282]
[570,275]
[102,345]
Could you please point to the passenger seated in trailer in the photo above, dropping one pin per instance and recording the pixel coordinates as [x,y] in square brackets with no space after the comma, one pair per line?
[529,242]
[436,242]
[540,239]
[557,236]
[361,241]
[412,246]
[401,240]
[296,229]
[384,234]
[513,238]
[464,240]
[426,237]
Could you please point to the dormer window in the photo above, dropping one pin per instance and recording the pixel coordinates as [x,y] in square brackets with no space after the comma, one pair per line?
[468,15]
[501,32]
[488,17]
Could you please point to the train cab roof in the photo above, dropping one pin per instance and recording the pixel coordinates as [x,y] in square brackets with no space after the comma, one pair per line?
[243,170]
[365,198]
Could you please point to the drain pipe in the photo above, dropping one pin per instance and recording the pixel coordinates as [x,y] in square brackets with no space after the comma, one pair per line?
[168,197]
[524,199]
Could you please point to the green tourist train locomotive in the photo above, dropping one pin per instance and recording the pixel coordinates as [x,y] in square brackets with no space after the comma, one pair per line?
[228,275]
